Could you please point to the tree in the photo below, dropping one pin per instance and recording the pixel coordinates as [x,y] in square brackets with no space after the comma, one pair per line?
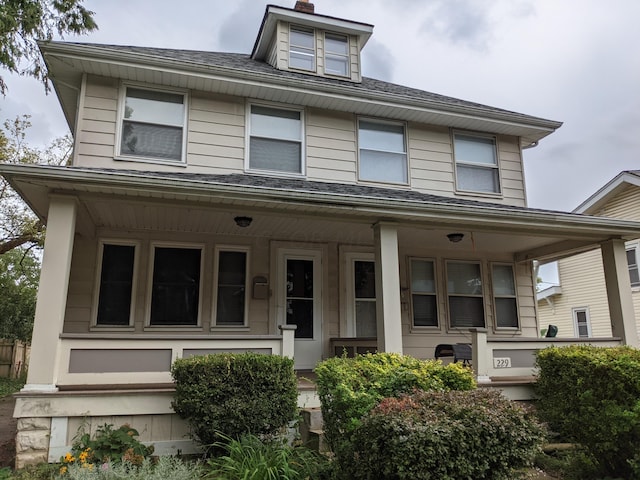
[19,274]
[24,22]
[18,225]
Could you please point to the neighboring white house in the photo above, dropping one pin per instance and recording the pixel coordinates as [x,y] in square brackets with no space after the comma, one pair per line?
[578,305]
[277,202]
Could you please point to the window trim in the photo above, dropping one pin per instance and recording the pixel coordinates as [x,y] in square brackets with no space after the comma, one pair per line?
[636,248]
[98,283]
[346,56]
[514,296]
[435,294]
[122,96]
[405,131]
[152,249]
[308,30]
[303,143]
[497,166]
[348,261]
[214,291]
[574,315]
[448,295]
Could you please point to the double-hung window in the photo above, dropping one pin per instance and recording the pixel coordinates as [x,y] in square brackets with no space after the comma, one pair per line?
[582,325]
[476,161]
[153,125]
[336,54]
[464,291]
[231,287]
[302,48]
[175,286]
[275,142]
[423,293]
[383,152]
[632,262]
[115,291]
[504,296]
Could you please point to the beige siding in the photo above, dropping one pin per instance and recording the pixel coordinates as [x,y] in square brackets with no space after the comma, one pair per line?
[430,159]
[354,51]
[625,205]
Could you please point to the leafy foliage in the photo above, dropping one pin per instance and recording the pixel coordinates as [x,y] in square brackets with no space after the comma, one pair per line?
[229,395]
[444,436]
[9,386]
[591,396]
[23,22]
[163,469]
[19,274]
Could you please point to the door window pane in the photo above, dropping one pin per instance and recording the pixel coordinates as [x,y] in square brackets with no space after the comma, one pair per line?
[116,282]
[299,297]
[232,277]
[365,298]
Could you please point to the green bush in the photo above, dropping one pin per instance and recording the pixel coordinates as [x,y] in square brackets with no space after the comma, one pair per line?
[228,395]
[444,436]
[164,468]
[350,387]
[591,396]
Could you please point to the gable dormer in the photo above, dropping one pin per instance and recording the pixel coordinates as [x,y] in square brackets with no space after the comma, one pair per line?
[299,40]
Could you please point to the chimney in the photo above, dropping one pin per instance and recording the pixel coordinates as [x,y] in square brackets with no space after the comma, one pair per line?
[304,6]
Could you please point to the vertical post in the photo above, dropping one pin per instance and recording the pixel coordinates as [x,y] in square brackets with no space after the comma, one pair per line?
[52,294]
[288,339]
[480,354]
[388,307]
[618,284]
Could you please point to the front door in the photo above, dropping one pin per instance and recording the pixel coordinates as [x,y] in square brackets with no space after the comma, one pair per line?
[300,302]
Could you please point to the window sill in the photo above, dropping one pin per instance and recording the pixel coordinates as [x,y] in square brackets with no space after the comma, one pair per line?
[425,330]
[274,173]
[112,328]
[155,161]
[402,185]
[230,328]
[173,328]
[471,193]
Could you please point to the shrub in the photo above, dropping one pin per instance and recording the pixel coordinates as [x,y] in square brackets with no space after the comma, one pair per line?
[350,387]
[444,436]
[228,395]
[591,396]
[164,468]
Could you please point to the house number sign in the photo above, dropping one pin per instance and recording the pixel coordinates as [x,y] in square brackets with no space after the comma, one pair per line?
[502,362]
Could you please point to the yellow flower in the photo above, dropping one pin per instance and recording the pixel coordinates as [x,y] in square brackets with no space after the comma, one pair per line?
[68,458]
[63,470]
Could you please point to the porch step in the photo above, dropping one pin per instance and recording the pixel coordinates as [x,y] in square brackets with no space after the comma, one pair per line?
[311,432]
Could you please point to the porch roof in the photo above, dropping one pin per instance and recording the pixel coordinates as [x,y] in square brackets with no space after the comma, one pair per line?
[526,233]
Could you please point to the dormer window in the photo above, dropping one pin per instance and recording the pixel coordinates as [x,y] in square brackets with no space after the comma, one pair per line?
[302,49]
[336,55]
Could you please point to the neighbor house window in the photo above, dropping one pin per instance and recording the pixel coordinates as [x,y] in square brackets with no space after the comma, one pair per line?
[175,289]
[383,152]
[476,163]
[153,125]
[231,287]
[504,296]
[582,325]
[276,140]
[423,293]
[632,262]
[302,49]
[116,285]
[464,291]
[336,54]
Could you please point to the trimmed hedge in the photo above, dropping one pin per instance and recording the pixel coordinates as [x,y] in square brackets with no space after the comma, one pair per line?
[225,396]
[444,436]
[591,396]
[350,387]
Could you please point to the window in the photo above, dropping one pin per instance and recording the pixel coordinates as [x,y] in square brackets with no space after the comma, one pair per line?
[582,325]
[364,288]
[632,262]
[153,125]
[476,163]
[175,291]
[464,290]
[116,285]
[276,140]
[504,296]
[423,293]
[231,286]
[336,55]
[302,49]
[383,155]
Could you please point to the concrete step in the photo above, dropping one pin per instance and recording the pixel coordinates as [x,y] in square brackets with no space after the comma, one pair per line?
[311,432]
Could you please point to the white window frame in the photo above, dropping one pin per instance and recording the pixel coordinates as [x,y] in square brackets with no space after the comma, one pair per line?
[574,313]
[336,55]
[405,152]
[301,50]
[214,297]
[480,295]
[434,294]
[349,259]
[514,296]
[467,163]
[122,97]
[635,247]
[152,250]
[98,283]
[303,147]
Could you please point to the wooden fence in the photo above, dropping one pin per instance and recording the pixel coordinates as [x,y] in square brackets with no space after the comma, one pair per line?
[14,358]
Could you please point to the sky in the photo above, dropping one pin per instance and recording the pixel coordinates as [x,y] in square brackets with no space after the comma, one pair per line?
[574,61]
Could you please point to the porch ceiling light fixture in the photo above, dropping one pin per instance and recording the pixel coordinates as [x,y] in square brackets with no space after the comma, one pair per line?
[243,221]
[455,237]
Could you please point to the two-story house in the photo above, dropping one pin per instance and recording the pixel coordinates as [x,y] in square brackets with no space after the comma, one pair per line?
[277,202]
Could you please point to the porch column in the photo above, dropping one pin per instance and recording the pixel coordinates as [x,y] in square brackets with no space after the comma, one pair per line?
[288,339]
[480,354]
[52,295]
[616,275]
[388,308]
